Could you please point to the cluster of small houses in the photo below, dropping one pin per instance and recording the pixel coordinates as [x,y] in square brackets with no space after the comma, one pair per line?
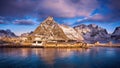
[49,43]
[38,42]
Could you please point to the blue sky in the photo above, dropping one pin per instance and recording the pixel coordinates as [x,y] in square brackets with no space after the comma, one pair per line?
[22,16]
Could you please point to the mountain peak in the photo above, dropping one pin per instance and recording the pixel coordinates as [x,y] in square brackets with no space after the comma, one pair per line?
[50,30]
[93,25]
[50,18]
[49,21]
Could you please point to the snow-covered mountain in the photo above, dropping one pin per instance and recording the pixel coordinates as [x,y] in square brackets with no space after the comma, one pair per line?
[7,33]
[116,34]
[51,30]
[93,33]
[71,33]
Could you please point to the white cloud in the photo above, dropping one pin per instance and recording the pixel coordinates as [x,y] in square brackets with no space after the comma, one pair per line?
[24,22]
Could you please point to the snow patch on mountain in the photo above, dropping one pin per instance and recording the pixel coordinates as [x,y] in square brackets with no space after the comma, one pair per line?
[71,33]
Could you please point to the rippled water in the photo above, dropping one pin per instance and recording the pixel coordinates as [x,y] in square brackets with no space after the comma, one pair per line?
[96,57]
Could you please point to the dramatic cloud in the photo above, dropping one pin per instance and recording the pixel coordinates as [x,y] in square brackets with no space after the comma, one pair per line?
[2,20]
[69,12]
[95,18]
[24,22]
[107,10]
[67,8]
[57,8]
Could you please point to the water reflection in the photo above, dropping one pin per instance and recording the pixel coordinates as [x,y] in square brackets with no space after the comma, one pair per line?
[60,57]
[49,55]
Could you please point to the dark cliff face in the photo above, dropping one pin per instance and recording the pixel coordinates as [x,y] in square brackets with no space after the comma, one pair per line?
[116,34]
[93,33]
[116,31]
[7,33]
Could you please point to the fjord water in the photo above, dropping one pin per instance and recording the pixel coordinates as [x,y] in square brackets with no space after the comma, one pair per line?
[96,57]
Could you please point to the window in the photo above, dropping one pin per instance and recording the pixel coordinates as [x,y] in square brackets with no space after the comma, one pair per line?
[39,41]
[34,41]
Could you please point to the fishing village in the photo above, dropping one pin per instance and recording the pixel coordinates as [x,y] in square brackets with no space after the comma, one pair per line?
[51,34]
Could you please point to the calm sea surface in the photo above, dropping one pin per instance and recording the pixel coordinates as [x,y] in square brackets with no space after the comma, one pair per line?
[96,57]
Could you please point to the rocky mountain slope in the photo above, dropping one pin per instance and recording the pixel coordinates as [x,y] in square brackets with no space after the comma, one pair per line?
[93,33]
[51,30]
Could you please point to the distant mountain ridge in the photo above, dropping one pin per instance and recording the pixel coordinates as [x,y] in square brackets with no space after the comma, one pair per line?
[7,33]
[93,33]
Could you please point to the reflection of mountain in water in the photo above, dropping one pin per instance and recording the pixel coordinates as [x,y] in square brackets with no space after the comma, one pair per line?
[48,55]
[59,57]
